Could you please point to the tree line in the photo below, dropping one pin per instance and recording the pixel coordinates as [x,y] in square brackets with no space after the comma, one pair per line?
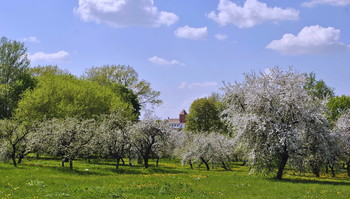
[270,120]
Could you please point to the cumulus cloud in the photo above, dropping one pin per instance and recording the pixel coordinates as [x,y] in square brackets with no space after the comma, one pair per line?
[188,32]
[310,40]
[124,13]
[31,39]
[250,14]
[185,85]
[221,37]
[60,56]
[163,62]
[313,3]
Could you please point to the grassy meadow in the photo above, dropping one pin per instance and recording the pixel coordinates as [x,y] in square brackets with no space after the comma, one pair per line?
[45,178]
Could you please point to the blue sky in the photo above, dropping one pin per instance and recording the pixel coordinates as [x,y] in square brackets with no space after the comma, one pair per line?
[186,48]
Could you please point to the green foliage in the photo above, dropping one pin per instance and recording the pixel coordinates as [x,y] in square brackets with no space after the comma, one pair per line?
[126,76]
[318,88]
[337,105]
[61,96]
[14,79]
[204,116]
[127,96]
[47,70]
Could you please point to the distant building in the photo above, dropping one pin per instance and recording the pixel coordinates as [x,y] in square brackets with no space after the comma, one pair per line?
[178,123]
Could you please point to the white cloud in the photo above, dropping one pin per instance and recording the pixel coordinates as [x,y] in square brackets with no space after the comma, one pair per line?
[185,85]
[188,32]
[313,3]
[160,61]
[60,56]
[310,40]
[221,37]
[124,13]
[250,14]
[31,39]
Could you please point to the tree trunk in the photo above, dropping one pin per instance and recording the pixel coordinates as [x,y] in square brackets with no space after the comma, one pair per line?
[71,164]
[327,168]
[145,160]
[191,165]
[282,164]
[316,171]
[157,162]
[348,168]
[130,162]
[20,158]
[206,164]
[122,161]
[244,162]
[13,156]
[118,161]
[224,166]
[332,170]
[139,159]
[62,163]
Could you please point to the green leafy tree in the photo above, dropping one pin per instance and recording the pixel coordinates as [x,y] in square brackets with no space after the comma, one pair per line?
[318,88]
[66,96]
[14,79]
[126,76]
[337,106]
[47,70]
[128,96]
[204,116]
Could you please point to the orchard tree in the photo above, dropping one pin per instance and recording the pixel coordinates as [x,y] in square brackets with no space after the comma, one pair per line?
[13,136]
[65,138]
[126,76]
[112,137]
[14,78]
[204,116]
[205,148]
[147,134]
[343,132]
[274,117]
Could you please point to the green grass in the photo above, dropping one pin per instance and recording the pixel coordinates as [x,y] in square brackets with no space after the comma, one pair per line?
[46,179]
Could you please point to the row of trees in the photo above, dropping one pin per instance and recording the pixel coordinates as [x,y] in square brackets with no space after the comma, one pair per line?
[34,97]
[270,119]
[112,136]
[277,118]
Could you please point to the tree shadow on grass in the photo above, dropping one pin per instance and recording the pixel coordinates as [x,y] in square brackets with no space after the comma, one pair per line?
[304,181]
[165,170]
[137,169]
[67,170]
